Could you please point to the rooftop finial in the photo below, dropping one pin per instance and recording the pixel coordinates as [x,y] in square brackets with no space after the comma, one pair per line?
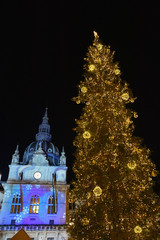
[95,35]
[46,112]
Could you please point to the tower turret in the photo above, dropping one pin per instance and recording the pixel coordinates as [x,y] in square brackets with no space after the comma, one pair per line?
[62,157]
[15,156]
[44,129]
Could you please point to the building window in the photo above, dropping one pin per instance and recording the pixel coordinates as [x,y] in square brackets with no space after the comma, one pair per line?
[51,222]
[13,222]
[34,204]
[51,205]
[50,238]
[16,204]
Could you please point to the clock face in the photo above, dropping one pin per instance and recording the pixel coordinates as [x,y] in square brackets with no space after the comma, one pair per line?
[37,175]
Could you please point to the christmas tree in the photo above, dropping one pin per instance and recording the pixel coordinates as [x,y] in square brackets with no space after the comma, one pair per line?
[113,189]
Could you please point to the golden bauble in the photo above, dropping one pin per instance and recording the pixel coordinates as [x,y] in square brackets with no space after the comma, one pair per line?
[108,82]
[99,46]
[154,173]
[85,221]
[86,134]
[125,96]
[93,162]
[111,137]
[142,187]
[135,115]
[70,200]
[91,67]
[78,101]
[137,229]
[97,191]
[117,71]
[131,165]
[83,89]
[71,223]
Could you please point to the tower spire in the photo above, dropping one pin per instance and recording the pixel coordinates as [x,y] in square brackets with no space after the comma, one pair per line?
[44,129]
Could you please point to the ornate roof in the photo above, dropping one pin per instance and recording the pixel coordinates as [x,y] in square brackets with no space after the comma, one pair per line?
[43,140]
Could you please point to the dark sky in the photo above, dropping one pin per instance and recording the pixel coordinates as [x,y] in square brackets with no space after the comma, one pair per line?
[42,51]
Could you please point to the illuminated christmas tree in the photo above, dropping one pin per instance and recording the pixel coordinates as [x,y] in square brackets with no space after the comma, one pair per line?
[113,189]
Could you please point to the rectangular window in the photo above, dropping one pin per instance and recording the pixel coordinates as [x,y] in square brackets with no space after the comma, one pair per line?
[34,204]
[16,204]
[51,222]
[13,222]
[50,238]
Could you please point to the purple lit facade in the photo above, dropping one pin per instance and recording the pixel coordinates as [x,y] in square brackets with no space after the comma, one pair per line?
[35,193]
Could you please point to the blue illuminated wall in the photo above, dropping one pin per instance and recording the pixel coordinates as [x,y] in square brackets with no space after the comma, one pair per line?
[42,173]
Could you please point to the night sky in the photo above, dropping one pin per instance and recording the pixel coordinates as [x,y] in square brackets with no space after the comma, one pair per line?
[42,50]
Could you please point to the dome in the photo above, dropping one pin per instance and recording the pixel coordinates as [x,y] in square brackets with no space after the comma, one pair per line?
[43,140]
[51,151]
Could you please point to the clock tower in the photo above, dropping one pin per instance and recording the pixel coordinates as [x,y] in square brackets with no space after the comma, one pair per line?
[35,193]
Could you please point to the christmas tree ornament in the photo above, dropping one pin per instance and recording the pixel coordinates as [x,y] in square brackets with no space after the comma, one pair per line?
[97,191]
[71,223]
[108,82]
[135,115]
[111,137]
[95,35]
[86,134]
[131,165]
[137,229]
[125,96]
[117,71]
[93,162]
[99,46]
[154,173]
[91,67]
[83,89]
[142,187]
[85,221]
[88,195]
[70,200]
[78,101]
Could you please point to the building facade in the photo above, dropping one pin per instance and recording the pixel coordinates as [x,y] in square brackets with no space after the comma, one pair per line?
[35,193]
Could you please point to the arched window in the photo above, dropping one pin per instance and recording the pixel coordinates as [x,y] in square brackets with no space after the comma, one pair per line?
[16,204]
[34,204]
[51,205]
